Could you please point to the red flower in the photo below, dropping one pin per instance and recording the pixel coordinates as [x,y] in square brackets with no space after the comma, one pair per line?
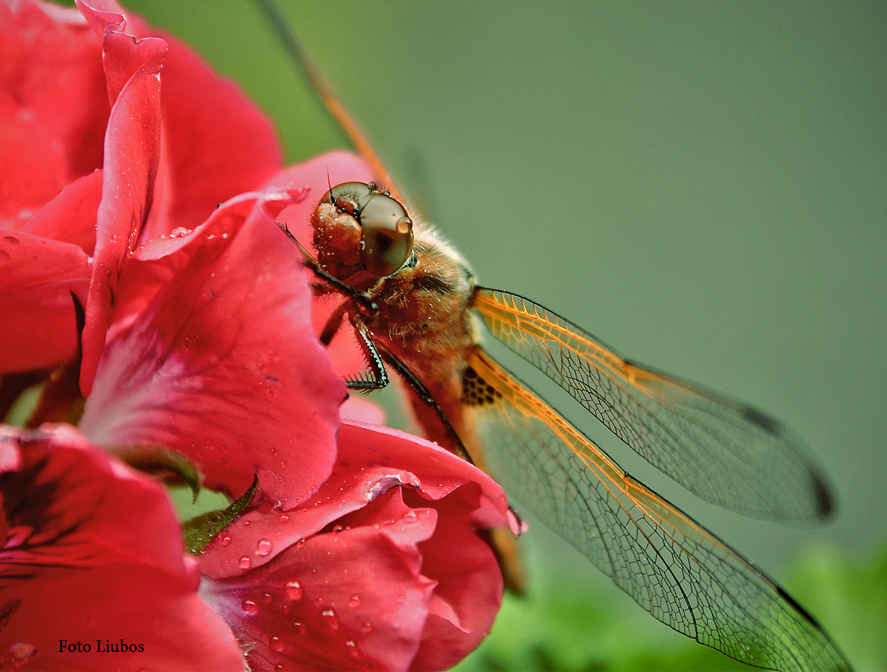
[383,569]
[104,140]
[199,340]
[93,553]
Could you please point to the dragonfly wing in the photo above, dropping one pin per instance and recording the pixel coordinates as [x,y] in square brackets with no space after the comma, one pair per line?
[723,450]
[671,565]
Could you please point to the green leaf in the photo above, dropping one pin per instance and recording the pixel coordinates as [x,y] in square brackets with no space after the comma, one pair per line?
[201,530]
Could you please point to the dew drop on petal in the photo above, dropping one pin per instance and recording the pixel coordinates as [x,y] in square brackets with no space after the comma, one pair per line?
[276,643]
[352,648]
[263,547]
[249,607]
[279,667]
[366,626]
[179,232]
[245,562]
[314,570]
[266,597]
[247,523]
[330,619]
[354,601]
[226,539]
[299,627]
[294,589]
[284,517]
[410,516]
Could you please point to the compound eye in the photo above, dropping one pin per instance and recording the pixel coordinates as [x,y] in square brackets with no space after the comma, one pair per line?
[387,234]
[350,197]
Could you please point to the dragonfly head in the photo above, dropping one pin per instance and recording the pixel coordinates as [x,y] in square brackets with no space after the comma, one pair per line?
[358,227]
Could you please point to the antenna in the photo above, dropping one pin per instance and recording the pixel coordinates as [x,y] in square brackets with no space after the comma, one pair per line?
[306,66]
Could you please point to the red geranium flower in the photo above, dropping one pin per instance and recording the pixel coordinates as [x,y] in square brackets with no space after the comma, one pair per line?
[199,341]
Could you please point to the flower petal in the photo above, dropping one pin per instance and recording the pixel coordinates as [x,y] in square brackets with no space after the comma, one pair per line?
[430,590]
[131,163]
[37,276]
[101,545]
[350,599]
[47,53]
[223,367]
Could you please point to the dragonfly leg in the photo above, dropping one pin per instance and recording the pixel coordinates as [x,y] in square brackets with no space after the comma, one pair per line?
[376,377]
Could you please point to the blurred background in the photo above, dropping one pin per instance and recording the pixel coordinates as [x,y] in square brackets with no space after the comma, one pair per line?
[700,184]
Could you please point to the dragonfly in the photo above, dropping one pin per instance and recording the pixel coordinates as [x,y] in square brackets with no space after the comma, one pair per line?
[416,307]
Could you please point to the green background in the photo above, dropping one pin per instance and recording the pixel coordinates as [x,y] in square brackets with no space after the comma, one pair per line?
[699,183]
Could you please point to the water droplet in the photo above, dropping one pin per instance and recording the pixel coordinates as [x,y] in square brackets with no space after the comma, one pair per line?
[300,543]
[179,232]
[245,562]
[249,607]
[263,547]
[247,523]
[276,643]
[366,626]
[294,590]
[299,627]
[226,539]
[279,667]
[330,619]
[284,517]
[410,516]
[314,570]
[338,528]
[285,609]
[352,648]
[354,601]
[266,597]
[22,650]
[224,235]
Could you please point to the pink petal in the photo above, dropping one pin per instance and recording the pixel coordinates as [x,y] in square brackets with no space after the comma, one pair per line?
[223,366]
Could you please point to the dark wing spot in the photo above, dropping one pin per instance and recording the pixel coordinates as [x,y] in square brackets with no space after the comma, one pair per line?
[476,391]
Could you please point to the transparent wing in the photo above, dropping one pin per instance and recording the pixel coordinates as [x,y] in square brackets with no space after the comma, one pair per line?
[672,566]
[722,450]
